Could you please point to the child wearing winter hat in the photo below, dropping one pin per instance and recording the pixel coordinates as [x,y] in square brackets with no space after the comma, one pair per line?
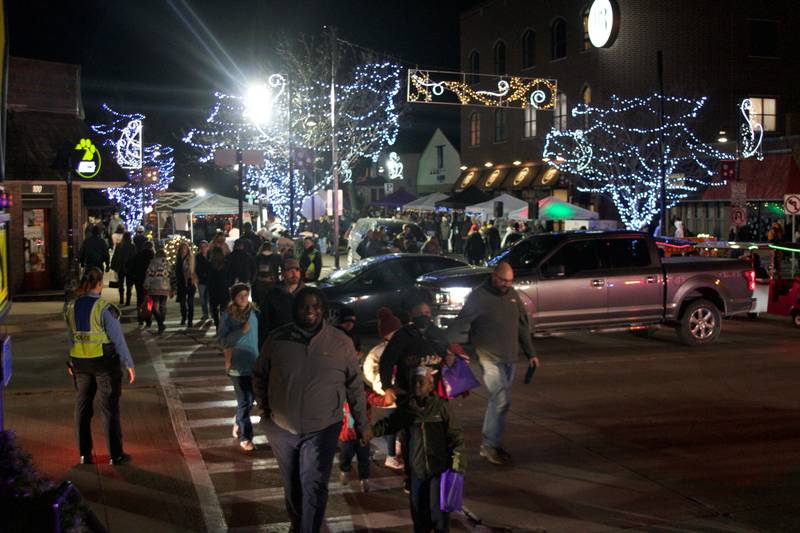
[238,334]
[388,324]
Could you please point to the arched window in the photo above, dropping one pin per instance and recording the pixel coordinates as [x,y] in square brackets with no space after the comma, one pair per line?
[529,122]
[560,112]
[558,39]
[500,130]
[528,49]
[474,66]
[474,129]
[586,42]
[500,58]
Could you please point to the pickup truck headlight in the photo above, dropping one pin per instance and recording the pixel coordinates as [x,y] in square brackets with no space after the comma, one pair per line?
[452,296]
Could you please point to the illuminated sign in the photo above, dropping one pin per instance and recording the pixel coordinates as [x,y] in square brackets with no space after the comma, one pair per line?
[603,23]
[89,163]
[469,178]
[394,166]
[549,175]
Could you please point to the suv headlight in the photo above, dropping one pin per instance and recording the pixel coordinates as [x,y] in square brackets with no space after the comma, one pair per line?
[453,296]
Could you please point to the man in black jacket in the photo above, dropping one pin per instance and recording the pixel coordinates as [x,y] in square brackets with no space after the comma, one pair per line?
[240,265]
[276,308]
[140,263]
[94,251]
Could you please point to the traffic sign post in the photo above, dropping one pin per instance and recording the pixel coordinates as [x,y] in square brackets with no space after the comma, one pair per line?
[738,216]
[791,206]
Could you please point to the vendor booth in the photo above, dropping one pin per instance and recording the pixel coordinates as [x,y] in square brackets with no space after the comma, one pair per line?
[183,215]
[425,203]
[510,207]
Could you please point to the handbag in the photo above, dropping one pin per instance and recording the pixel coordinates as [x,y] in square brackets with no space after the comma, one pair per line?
[146,308]
[458,378]
[451,491]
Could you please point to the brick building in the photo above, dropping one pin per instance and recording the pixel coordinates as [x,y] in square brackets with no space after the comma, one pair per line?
[44,124]
[720,49]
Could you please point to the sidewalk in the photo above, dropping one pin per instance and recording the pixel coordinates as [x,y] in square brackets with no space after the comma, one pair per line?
[154,493]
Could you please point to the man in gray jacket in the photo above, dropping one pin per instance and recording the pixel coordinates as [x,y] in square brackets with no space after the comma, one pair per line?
[305,372]
[498,328]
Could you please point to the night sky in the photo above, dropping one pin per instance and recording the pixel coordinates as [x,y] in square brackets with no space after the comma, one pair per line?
[165,58]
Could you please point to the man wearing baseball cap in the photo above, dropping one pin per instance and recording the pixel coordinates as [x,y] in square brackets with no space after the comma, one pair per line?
[276,309]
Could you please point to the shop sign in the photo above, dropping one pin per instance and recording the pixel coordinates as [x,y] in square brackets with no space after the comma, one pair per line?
[89,161]
[603,23]
[738,216]
[791,204]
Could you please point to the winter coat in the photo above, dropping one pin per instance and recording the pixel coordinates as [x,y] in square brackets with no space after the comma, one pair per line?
[268,267]
[202,267]
[348,431]
[121,259]
[302,379]
[219,284]
[433,438]
[94,253]
[406,350]
[159,280]
[245,345]
[241,266]
[276,309]
[140,263]
[475,250]
[184,271]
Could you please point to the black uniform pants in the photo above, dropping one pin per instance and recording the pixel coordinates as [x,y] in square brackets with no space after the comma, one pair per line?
[102,375]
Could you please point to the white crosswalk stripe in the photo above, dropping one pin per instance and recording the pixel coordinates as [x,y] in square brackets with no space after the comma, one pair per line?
[191,371]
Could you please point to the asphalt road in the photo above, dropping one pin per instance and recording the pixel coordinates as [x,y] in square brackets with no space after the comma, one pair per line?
[615,432]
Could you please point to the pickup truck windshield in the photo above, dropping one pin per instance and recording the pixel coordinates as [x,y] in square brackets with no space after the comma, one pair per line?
[526,253]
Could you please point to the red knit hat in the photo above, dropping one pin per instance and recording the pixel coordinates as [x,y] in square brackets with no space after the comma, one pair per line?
[474,227]
[387,322]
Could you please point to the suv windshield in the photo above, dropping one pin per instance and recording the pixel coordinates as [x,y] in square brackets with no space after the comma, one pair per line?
[526,253]
[342,276]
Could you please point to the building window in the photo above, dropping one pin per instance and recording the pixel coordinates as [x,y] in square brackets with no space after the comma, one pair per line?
[440,156]
[765,112]
[558,39]
[586,43]
[560,113]
[500,58]
[586,99]
[500,130]
[474,66]
[529,122]
[763,38]
[528,49]
[474,129]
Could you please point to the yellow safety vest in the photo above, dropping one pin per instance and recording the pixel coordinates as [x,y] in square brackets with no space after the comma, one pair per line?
[88,344]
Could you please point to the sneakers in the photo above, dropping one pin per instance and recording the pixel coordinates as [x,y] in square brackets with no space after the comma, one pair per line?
[120,460]
[363,485]
[394,462]
[496,456]
[87,460]
[247,445]
[344,477]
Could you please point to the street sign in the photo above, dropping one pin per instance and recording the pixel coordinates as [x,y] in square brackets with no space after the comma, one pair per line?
[388,188]
[791,204]
[738,192]
[738,216]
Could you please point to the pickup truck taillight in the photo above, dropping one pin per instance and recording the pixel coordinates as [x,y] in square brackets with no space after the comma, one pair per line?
[750,276]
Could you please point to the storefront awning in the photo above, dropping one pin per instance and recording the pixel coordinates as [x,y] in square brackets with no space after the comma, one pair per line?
[522,177]
[766,180]
[493,178]
[468,178]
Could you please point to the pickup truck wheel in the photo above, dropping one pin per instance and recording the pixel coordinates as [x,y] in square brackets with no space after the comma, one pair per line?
[701,323]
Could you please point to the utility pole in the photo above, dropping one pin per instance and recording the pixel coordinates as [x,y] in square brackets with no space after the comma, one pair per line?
[662,168]
[334,155]
[240,171]
[291,154]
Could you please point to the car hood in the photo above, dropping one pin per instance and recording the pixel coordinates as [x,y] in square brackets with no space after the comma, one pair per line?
[466,276]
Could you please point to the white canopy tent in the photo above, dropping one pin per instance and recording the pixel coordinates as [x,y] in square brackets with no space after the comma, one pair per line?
[207,204]
[513,208]
[425,203]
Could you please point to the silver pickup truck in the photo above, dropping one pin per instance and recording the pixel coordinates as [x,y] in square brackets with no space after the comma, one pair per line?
[607,281]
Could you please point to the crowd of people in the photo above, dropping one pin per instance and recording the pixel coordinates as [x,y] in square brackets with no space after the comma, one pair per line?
[312,380]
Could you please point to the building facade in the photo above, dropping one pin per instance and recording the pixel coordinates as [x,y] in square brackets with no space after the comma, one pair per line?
[723,50]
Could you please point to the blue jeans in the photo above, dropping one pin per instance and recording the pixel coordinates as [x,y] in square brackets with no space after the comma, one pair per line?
[498,378]
[243,387]
[305,462]
[350,449]
[203,289]
[425,510]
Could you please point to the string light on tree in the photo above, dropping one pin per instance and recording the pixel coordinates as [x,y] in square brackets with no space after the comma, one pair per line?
[122,136]
[619,154]
[367,121]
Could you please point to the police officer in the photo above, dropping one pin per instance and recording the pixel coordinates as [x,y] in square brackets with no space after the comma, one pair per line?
[97,345]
